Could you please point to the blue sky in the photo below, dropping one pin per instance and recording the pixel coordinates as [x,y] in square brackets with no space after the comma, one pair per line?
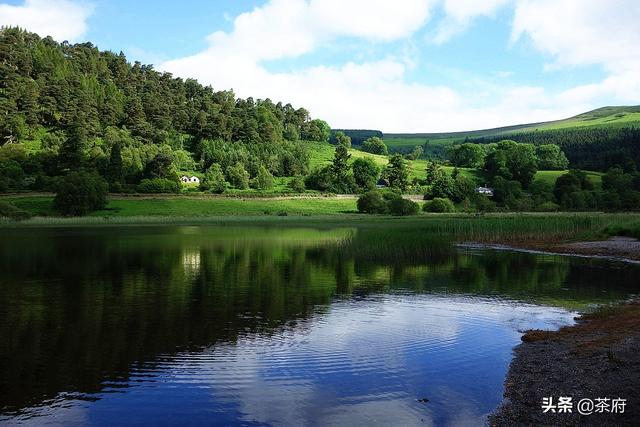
[401,66]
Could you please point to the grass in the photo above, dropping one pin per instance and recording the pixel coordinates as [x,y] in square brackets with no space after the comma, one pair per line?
[198,206]
[334,211]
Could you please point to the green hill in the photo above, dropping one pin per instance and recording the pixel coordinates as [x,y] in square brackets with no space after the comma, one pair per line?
[595,140]
[619,116]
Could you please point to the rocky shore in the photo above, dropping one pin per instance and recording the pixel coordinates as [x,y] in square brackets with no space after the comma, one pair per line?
[597,358]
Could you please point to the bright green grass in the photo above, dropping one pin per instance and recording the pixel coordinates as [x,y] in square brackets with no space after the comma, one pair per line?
[176,206]
[550,177]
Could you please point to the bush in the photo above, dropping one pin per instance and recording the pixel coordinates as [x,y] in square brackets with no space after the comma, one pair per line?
[372,202]
[158,185]
[79,193]
[548,207]
[238,177]
[439,205]
[8,210]
[213,180]
[403,207]
[264,179]
[296,184]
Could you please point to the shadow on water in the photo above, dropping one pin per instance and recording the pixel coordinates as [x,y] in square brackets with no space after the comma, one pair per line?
[80,308]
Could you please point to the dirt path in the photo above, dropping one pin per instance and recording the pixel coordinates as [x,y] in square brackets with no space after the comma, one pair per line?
[599,357]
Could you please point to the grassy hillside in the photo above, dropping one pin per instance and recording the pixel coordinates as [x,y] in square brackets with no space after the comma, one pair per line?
[322,154]
[602,117]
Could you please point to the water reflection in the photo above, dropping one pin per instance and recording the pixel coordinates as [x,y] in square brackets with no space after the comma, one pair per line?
[270,325]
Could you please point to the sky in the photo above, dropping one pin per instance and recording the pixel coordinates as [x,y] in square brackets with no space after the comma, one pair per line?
[396,66]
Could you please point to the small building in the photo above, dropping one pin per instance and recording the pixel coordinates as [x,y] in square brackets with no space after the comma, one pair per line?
[487,191]
[190,179]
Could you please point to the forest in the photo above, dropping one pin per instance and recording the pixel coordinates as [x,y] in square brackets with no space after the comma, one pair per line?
[597,148]
[71,108]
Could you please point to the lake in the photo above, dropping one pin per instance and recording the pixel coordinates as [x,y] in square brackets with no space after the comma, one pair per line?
[213,325]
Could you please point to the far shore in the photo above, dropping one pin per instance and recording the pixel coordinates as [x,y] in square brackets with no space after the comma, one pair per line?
[616,248]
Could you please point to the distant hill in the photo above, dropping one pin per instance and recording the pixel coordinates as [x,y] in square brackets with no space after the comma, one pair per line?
[593,140]
[618,116]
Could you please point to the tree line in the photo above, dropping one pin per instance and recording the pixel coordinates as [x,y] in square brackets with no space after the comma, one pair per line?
[592,148]
[66,108]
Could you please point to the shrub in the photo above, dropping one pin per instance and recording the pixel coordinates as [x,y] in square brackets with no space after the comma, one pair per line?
[264,179]
[403,207]
[548,207]
[238,177]
[8,210]
[375,145]
[213,180]
[158,185]
[372,202]
[296,184]
[438,204]
[79,193]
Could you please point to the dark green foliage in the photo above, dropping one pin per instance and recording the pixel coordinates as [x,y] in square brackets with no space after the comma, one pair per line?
[264,179]
[320,179]
[574,191]
[158,185]
[399,206]
[621,190]
[374,145]
[378,202]
[365,173]
[115,172]
[213,180]
[415,154]
[358,136]
[506,192]
[397,173]
[372,202]
[81,102]
[316,130]
[551,157]
[296,184]
[237,176]
[342,139]
[592,148]
[467,155]
[80,193]
[512,161]
[439,204]
[7,210]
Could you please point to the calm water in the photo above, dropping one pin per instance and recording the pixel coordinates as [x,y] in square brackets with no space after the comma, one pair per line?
[271,326]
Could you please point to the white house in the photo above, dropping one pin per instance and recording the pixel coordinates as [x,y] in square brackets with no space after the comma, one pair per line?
[487,191]
[190,180]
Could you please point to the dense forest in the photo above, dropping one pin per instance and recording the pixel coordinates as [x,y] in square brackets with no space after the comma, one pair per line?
[70,107]
[586,148]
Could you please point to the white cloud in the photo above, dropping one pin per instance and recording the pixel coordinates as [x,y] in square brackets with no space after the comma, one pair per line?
[460,13]
[60,19]
[378,93]
[583,32]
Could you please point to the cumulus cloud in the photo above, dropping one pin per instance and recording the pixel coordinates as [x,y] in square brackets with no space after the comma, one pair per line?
[582,33]
[460,13]
[380,94]
[60,19]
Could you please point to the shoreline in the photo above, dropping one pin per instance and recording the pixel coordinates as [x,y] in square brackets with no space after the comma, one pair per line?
[616,248]
[598,357]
